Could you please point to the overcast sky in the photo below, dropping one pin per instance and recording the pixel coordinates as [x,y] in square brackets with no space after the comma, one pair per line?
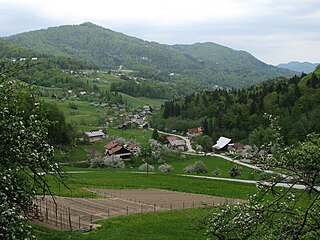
[274,31]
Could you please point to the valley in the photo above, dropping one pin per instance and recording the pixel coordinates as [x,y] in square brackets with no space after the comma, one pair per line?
[120,138]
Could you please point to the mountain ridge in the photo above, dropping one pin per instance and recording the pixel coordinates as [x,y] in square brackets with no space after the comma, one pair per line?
[306,67]
[109,49]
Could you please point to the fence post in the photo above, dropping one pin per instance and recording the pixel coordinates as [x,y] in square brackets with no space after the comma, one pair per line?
[170,206]
[183,205]
[46,211]
[90,219]
[127,210]
[108,213]
[192,204]
[61,220]
[56,215]
[141,207]
[154,207]
[69,219]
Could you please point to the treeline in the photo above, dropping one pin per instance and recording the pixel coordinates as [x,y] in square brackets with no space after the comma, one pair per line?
[239,114]
[145,89]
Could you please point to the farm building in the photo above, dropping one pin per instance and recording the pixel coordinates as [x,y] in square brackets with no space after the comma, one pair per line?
[94,136]
[194,132]
[120,151]
[222,144]
[134,148]
[175,144]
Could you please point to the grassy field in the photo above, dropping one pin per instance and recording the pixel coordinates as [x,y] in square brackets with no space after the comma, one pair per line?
[121,179]
[140,101]
[171,225]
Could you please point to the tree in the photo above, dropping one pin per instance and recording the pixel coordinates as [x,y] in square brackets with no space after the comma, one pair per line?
[155,134]
[278,213]
[205,142]
[24,154]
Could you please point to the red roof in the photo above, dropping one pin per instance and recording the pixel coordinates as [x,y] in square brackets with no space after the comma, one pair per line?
[115,149]
[132,146]
[195,130]
[171,138]
[110,145]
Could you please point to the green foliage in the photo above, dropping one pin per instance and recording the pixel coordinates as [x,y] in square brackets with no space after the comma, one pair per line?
[205,142]
[239,114]
[155,134]
[272,212]
[235,171]
[145,89]
[24,152]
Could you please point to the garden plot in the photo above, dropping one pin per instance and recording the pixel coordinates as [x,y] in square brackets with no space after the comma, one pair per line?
[80,213]
[166,199]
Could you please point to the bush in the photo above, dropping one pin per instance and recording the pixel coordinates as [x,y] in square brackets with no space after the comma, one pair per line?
[217,172]
[197,167]
[113,162]
[235,171]
[107,162]
[165,168]
[146,167]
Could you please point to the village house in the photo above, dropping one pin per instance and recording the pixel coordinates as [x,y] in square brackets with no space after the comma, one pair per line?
[134,148]
[175,144]
[94,136]
[114,149]
[194,132]
[222,144]
[120,151]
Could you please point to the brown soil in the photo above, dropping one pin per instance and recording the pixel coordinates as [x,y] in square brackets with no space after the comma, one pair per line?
[80,213]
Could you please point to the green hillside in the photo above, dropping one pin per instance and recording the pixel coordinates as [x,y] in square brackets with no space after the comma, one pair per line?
[239,114]
[179,63]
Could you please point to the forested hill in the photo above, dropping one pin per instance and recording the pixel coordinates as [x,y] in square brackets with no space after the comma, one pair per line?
[201,66]
[44,70]
[239,114]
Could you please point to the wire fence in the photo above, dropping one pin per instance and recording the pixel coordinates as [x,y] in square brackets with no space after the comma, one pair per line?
[80,213]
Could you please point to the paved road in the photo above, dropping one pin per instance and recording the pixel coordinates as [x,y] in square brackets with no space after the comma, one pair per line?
[286,185]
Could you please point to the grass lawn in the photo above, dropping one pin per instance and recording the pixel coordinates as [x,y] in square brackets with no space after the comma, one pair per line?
[121,179]
[212,163]
[141,101]
[171,225]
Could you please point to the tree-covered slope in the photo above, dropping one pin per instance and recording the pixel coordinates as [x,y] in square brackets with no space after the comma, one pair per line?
[239,66]
[240,114]
[190,64]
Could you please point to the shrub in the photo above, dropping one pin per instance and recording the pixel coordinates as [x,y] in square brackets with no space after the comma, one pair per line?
[217,172]
[96,162]
[165,168]
[235,171]
[113,162]
[197,167]
[107,162]
[146,167]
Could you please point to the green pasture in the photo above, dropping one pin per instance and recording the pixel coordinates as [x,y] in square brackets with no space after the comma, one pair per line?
[141,101]
[123,179]
[170,225]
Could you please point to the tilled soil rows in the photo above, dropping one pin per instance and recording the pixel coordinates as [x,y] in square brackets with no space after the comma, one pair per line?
[80,213]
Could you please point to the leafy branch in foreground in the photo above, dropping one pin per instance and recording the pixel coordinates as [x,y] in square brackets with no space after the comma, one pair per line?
[24,152]
[276,212]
